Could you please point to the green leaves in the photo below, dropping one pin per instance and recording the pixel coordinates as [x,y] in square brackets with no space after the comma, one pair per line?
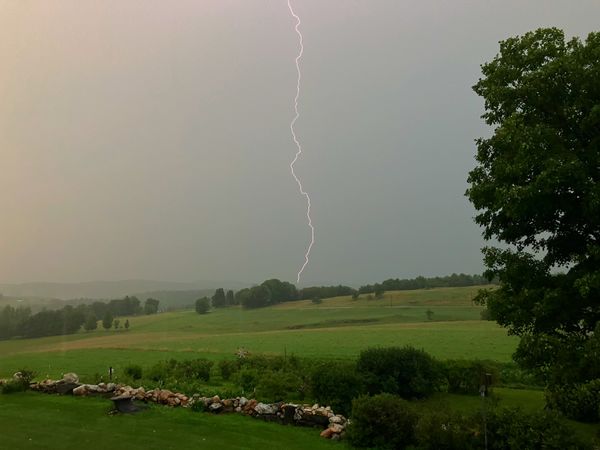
[536,189]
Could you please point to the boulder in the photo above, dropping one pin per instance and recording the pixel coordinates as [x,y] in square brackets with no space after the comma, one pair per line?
[64,388]
[263,408]
[289,413]
[70,378]
[80,390]
[215,407]
[327,433]
[336,419]
[249,408]
[336,427]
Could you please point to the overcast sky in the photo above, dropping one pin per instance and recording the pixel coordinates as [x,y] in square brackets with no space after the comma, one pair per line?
[150,139]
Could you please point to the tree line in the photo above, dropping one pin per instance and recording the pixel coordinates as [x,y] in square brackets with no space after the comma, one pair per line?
[420,282]
[269,292]
[20,322]
[274,291]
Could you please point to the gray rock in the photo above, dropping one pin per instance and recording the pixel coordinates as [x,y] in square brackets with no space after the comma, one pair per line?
[80,390]
[215,407]
[70,377]
[263,408]
[336,419]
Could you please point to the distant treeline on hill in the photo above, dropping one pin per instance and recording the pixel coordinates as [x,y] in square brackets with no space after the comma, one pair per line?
[20,322]
[274,291]
[269,292]
[408,284]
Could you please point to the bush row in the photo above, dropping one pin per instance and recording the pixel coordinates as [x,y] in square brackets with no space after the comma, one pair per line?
[386,421]
[406,372]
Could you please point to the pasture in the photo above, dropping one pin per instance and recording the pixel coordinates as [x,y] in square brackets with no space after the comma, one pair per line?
[338,328]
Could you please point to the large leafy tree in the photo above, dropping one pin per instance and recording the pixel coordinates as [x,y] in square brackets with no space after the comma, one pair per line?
[536,190]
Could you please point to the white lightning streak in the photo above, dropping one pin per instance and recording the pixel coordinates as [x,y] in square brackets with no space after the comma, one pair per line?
[299,147]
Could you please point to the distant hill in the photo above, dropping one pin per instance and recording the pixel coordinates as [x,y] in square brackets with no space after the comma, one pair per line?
[114,289]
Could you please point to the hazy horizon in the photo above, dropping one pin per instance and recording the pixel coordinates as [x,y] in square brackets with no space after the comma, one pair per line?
[150,141]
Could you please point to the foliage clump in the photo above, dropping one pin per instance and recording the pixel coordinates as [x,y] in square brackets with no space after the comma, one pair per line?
[403,371]
[336,384]
[383,421]
[536,188]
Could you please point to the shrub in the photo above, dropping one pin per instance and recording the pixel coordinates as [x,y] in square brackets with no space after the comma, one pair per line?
[133,371]
[336,384]
[513,375]
[384,421]
[580,402]
[485,314]
[407,372]
[202,305]
[193,369]
[317,300]
[466,377]
[162,370]
[19,384]
[247,379]
[445,431]
[513,429]
[277,386]
[198,369]
[262,362]
[227,368]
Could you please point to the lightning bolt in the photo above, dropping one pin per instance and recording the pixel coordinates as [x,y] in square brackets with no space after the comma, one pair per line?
[299,146]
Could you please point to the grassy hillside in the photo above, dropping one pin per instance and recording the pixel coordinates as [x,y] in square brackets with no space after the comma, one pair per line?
[337,328]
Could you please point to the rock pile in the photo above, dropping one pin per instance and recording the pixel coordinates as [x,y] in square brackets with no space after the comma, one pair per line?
[334,425]
[286,413]
[70,385]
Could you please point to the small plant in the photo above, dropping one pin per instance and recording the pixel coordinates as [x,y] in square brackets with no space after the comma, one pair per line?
[247,379]
[19,383]
[227,368]
[317,300]
[133,371]
[465,377]
[429,314]
[449,431]
[277,386]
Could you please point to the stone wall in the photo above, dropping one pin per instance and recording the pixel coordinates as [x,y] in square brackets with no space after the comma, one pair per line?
[333,425]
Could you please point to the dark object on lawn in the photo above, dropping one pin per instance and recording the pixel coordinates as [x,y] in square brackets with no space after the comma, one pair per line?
[124,404]
[64,388]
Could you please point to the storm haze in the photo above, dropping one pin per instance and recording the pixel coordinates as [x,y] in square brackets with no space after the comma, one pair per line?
[150,139]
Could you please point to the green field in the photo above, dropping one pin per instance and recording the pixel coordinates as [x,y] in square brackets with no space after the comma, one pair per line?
[337,328]
[37,421]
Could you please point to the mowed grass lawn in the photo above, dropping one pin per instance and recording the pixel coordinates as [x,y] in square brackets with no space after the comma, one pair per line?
[337,328]
[38,421]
